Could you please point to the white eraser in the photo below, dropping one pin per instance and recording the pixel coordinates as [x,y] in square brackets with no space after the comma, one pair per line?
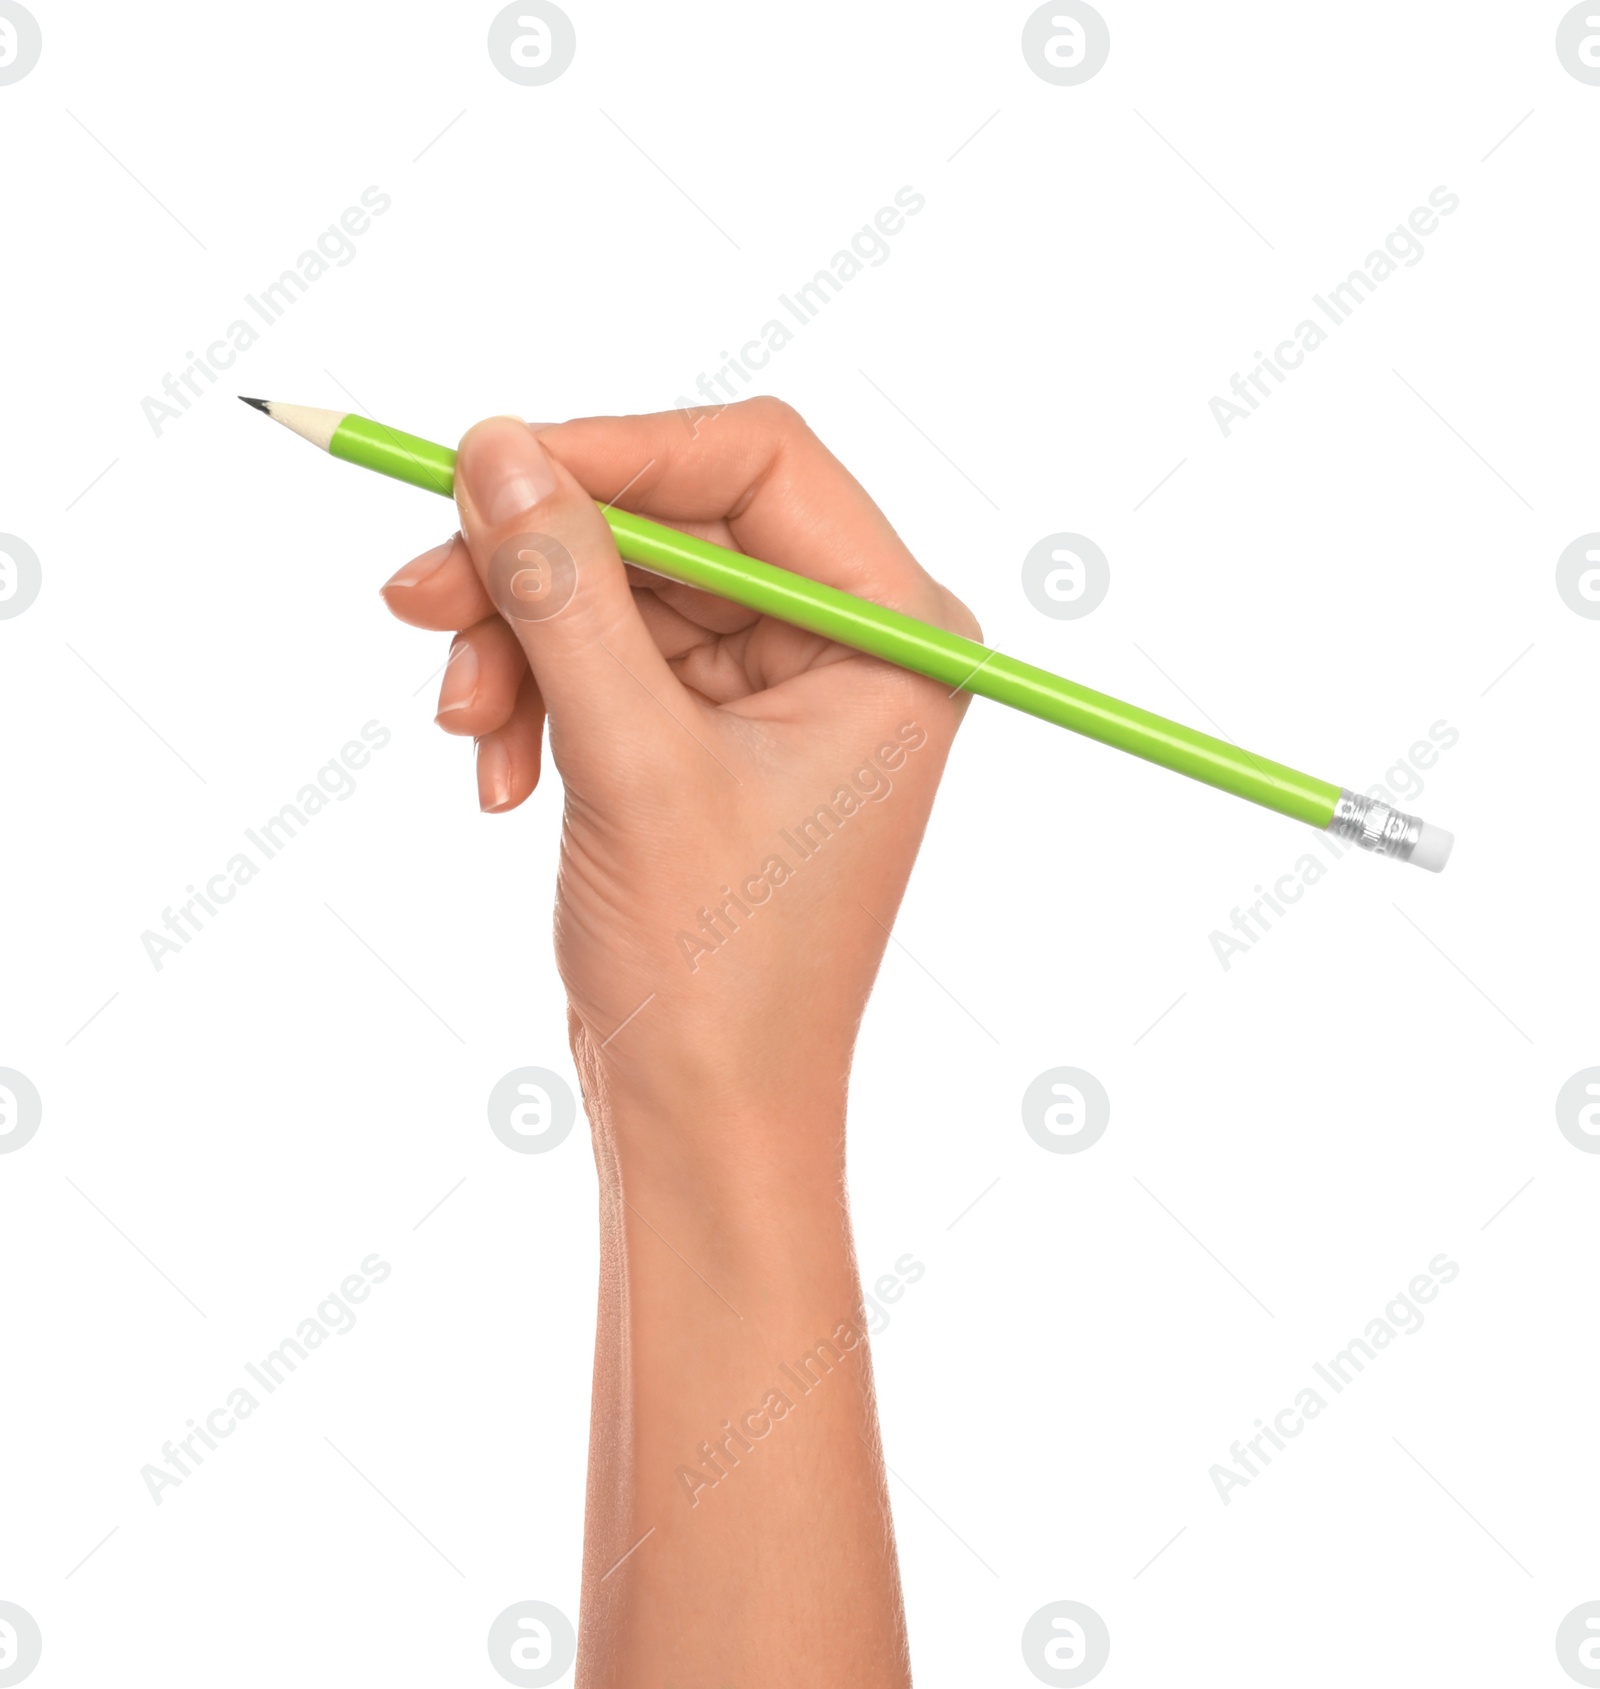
[1433,849]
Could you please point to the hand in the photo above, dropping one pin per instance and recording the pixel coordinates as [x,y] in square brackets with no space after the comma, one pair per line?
[743,800]
[743,805]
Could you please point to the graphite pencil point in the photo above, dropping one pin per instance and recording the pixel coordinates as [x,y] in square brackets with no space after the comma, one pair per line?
[260,404]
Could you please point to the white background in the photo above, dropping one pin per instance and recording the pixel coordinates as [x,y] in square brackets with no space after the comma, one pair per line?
[1302,1132]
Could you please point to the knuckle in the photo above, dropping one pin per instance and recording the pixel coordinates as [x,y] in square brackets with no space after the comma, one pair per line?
[773,415]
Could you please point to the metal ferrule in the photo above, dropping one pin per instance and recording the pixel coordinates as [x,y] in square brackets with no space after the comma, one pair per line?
[1375,826]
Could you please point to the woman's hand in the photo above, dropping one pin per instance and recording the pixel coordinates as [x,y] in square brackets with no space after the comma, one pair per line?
[743,805]
[743,800]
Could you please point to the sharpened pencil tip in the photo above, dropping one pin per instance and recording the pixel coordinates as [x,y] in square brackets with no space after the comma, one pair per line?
[260,404]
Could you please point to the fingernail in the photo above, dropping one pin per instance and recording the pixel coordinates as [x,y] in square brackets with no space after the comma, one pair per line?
[460,684]
[506,472]
[419,568]
[494,775]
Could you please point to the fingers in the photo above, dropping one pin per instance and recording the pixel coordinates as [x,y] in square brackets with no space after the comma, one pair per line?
[756,465]
[535,582]
[481,679]
[508,757]
[548,563]
[751,474]
[439,590]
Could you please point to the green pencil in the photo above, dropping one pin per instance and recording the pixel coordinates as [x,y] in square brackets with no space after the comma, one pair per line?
[962,664]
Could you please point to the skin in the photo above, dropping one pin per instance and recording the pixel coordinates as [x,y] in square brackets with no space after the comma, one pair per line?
[692,738]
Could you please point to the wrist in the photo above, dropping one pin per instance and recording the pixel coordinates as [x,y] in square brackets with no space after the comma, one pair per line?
[764,1238]
[756,1159]
[788,1090]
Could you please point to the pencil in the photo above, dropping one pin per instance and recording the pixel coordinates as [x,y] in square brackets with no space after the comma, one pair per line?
[959,663]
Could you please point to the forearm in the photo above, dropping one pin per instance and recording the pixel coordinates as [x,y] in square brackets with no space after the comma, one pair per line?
[738,1526]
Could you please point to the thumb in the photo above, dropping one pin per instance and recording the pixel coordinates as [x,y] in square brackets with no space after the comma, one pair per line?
[549,563]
